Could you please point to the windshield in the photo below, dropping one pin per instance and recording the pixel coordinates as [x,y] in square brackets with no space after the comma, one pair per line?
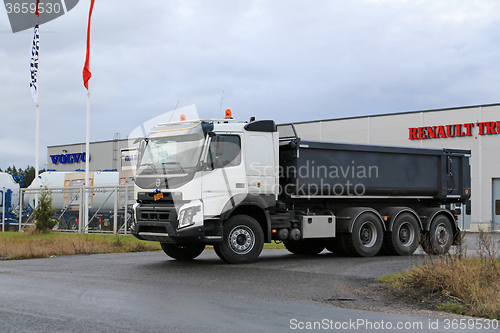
[173,153]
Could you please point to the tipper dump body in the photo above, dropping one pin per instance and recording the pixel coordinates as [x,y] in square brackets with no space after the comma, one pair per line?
[324,168]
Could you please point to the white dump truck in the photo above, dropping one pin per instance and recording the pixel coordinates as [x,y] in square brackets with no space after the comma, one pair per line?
[240,185]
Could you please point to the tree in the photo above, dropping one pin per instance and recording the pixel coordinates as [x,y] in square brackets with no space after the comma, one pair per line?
[27,174]
[44,212]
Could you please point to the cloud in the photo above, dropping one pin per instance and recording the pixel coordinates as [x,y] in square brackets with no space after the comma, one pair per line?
[286,60]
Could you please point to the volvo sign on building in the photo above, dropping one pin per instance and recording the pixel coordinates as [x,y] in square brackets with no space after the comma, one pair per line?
[103,155]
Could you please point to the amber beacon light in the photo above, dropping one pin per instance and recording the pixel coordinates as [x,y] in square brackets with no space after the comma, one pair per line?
[229,114]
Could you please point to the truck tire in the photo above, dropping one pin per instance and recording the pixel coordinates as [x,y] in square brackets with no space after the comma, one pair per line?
[242,242]
[62,224]
[405,236]
[336,245]
[439,238]
[182,252]
[72,223]
[366,237]
[310,247]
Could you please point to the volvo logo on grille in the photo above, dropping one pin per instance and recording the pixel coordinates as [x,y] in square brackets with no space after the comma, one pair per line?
[158,182]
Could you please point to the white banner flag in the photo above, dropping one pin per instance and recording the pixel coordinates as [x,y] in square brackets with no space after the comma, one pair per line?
[34,64]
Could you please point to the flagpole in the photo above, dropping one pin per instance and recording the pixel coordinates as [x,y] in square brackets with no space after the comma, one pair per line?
[86,77]
[37,125]
[87,158]
[37,121]
[37,141]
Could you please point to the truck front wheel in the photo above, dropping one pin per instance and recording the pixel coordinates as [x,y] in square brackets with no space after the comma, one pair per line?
[439,238]
[182,252]
[242,242]
[367,236]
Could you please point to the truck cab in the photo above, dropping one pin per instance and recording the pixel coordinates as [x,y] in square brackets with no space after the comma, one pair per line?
[196,179]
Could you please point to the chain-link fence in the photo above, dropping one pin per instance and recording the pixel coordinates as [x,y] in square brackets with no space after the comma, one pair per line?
[110,209]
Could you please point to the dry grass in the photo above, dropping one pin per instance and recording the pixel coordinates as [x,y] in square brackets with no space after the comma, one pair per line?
[470,284]
[30,245]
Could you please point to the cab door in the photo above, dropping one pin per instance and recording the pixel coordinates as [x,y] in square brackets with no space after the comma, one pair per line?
[223,182]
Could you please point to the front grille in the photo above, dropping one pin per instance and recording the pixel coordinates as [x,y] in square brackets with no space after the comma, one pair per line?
[154,216]
[152,229]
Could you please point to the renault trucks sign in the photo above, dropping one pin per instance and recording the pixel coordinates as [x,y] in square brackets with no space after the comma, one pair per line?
[455,130]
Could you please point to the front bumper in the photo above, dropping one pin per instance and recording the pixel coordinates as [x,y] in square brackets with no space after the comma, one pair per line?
[166,232]
[160,223]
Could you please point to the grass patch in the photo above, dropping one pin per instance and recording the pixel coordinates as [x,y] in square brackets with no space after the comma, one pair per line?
[274,245]
[391,278]
[468,285]
[30,245]
[452,307]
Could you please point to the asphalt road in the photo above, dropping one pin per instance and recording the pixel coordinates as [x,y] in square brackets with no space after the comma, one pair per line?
[148,292]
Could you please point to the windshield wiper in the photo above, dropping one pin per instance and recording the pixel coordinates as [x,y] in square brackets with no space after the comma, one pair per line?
[150,165]
[176,163]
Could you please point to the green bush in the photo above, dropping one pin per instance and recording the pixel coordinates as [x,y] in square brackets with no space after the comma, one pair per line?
[44,212]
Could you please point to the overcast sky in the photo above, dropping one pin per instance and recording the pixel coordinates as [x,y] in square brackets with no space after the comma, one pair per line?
[288,60]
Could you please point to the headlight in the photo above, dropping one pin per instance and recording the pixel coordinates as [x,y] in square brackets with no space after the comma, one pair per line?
[186,216]
[134,214]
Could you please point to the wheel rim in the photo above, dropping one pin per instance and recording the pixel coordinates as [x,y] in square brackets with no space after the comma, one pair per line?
[442,234]
[406,234]
[241,239]
[368,234]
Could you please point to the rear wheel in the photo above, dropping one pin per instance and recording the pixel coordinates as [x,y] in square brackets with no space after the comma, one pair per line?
[405,235]
[439,238]
[182,252]
[242,242]
[62,224]
[366,237]
[72,223]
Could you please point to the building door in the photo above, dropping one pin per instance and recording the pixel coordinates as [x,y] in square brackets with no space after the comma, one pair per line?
[496,204]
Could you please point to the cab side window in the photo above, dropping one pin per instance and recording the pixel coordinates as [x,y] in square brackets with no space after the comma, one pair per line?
[228,154]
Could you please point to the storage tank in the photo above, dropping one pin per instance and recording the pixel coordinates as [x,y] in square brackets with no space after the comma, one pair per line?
[65,185]
[8,183]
